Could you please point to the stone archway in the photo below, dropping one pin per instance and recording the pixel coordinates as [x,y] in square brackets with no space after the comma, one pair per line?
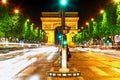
[51,20]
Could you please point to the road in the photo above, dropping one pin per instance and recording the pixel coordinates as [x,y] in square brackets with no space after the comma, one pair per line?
[28,64]
[96,67]
[93,66]
[37,63]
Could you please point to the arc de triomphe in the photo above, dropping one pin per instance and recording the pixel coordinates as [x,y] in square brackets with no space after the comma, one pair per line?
[51,20]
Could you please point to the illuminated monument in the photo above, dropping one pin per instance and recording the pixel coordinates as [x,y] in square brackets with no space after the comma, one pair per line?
[52,20]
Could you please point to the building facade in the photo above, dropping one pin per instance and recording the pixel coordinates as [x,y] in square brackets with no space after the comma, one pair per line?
[52,20]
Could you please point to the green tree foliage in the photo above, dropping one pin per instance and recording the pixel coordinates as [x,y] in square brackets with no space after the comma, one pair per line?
[104,25]
[15,26]
[118,13]
[4,21]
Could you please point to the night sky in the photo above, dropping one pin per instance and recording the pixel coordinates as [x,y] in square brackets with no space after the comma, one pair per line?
[86,8]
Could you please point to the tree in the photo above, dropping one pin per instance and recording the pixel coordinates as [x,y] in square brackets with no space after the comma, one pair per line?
[4,21]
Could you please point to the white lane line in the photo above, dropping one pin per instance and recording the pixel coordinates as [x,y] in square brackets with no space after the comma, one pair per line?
[98,71]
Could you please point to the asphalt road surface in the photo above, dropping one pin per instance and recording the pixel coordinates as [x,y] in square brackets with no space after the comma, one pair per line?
[92,66]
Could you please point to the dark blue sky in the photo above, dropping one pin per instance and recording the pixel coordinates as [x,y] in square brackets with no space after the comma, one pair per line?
[86,8]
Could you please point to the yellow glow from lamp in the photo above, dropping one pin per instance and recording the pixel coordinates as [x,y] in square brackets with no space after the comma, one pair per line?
[16,11]
[4,1]
[82,27]
[28,20]
[101,11]
[32,24]
[116,1]
[92,19]
[87,23]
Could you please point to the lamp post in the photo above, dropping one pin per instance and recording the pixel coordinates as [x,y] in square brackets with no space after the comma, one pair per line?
[63,71]
[63,14]
[64,41]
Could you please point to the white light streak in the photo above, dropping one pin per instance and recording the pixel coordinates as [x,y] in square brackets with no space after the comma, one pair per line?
[11,69]
[34,77]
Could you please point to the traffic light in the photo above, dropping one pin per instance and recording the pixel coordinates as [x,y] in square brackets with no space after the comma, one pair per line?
[60,36]
[108,40]
[64,42]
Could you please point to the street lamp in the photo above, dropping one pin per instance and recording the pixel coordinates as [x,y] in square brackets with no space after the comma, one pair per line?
[87,23]
[92,19]
[4,1]
[64,40]
[101,11]
[63,71]
[63,2]
[28,20]
[116,1]
[16,11]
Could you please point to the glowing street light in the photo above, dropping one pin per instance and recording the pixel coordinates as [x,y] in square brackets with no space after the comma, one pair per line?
[101,11]
[64,40]
[32,24]
[82,27]
[16,11]
[63,2]
[92,19]
[4,1]
[28,20]
[116,1]
[87,23]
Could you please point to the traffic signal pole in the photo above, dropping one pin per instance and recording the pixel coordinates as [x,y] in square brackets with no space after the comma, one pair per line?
[64,52]
[63,18]
[64,70]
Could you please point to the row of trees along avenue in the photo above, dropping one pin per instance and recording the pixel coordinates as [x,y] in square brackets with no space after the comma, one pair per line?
[102,26]
[15,26]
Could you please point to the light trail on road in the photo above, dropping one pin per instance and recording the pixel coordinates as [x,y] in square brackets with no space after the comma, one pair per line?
[11,67]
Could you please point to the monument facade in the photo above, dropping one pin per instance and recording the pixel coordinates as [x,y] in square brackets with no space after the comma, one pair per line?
[52,20]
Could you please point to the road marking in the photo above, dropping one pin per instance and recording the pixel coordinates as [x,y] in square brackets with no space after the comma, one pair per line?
[80,78]
[98,71]
[115,69]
